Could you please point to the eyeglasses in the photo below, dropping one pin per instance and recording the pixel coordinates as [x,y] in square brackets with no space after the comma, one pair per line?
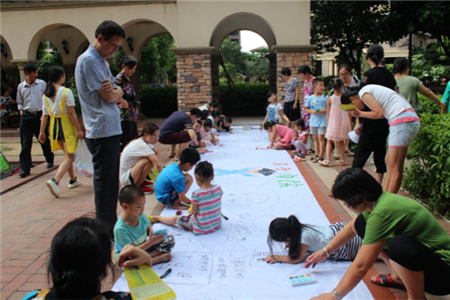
[344,74]
[156,135]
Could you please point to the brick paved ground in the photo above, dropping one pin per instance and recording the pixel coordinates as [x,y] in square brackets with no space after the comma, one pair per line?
[30,217]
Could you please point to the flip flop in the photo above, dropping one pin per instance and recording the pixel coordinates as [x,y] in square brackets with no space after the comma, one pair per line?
[386,280]
[171,156]
[298,158]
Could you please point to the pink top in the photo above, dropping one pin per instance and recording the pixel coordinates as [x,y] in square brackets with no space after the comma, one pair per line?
[286,133]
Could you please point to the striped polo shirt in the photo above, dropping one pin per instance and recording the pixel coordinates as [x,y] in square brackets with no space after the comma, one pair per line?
[208,201]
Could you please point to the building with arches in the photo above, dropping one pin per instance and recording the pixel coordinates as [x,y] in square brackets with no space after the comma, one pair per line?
[198,29]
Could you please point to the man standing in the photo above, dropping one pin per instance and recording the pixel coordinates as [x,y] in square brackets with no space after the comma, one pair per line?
[98,98]
[29,103]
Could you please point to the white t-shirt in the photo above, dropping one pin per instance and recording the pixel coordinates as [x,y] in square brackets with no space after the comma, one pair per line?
[203,107]
[55,105]
[132,153]
[316,240]
[390,101]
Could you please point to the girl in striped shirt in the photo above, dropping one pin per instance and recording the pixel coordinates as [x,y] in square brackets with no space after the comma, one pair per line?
[206,209]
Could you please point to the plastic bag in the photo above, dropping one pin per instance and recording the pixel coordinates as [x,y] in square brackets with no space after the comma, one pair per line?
[83,159]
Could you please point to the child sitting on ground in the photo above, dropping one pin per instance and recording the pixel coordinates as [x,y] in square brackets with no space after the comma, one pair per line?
[301,238]
[225,124]
[286,135]
[206,204]
[316,105]
[173,182]
[300,142]
[207,134]
[133,227]
[201,145]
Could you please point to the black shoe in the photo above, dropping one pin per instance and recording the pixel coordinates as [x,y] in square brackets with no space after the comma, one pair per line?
[49,165]
[33,165]
[23,173]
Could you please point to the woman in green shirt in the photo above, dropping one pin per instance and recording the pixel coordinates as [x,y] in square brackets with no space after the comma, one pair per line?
[409,85]
[395,228]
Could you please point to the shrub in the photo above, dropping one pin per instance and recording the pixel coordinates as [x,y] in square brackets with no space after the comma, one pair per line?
[429,106]
[158,102]
[428,173]
[244,99]
[70,84]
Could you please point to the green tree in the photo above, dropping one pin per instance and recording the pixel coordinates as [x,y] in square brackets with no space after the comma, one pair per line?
[47,55]
[348,27]
[158,63]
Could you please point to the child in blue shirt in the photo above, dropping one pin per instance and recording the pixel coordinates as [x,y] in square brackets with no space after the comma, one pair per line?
[316,105]
[133,227]
[174,182]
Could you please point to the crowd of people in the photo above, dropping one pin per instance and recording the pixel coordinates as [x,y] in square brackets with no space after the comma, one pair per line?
[394,228]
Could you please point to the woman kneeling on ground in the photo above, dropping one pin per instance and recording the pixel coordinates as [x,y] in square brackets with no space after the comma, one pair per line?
[395,228]
[139,157]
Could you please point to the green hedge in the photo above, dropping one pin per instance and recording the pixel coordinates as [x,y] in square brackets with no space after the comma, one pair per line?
[158,102]
[244,99]
[428,173]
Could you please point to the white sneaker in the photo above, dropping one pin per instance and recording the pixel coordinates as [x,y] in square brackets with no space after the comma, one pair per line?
[73,184]
[53,187]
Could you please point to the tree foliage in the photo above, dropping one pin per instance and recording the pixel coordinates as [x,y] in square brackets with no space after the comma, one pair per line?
[242,65]
[347,27]
[47,55]
[158,62]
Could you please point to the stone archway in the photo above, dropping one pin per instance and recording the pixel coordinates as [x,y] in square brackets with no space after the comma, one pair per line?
[6,56]
[141,31]
[56,34]
[236,22]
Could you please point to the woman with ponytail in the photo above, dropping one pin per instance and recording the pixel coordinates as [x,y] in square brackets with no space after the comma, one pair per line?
[139,157]
[373,133]
[80,260]
[129,115]
[409,86]
[58,103]
[302,238]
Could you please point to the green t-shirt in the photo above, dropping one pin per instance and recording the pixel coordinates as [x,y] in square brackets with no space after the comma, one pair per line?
[125,234]
[397,215]
[408,87]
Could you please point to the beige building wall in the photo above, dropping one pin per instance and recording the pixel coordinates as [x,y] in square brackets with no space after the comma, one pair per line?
[198,28]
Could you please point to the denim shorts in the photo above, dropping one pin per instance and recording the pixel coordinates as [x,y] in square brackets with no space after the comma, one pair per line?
[170,199]
[318,130]
[402,134]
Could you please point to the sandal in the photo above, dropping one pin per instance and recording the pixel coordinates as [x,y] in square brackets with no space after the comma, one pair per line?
[386,280]
[349,153]
[336,154]
[317,159]
[325,163]
[314,157]
[171,156]
[341,162]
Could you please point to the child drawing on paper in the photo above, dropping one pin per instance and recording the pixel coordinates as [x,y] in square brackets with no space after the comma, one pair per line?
[245,172]
[302,238]
[206,215]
